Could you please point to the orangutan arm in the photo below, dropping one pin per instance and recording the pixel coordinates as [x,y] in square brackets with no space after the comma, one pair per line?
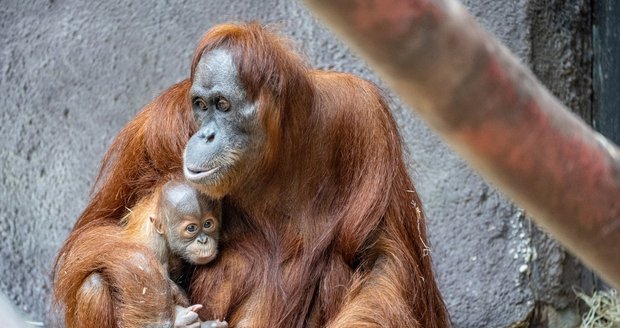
[384,296]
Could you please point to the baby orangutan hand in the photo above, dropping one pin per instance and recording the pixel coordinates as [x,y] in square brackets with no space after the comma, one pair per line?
[188,318]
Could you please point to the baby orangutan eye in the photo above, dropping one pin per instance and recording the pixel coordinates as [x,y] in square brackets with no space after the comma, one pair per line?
[208,224]
[191,228]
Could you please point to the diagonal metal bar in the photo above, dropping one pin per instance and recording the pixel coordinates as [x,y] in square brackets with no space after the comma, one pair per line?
[492,110]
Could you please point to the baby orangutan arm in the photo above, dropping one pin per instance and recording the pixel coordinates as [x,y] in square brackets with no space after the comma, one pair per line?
[188,318]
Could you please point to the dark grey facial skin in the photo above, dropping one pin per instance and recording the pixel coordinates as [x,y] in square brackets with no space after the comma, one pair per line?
[192,223]
[229,133]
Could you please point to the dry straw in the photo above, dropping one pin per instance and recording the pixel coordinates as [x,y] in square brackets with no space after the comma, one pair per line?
[604,309]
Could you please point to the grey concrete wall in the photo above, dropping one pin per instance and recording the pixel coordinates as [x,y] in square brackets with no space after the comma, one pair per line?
[73,72]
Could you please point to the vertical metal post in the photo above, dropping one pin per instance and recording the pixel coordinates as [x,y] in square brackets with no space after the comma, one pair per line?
[606,43]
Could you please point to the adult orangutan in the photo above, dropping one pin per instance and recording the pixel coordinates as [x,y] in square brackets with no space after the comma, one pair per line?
[322,225]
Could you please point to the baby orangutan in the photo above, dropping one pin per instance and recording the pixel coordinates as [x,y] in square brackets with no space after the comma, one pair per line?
[126,275]
[183,227]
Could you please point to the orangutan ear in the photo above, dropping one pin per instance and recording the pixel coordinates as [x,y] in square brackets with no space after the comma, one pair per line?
[159,227]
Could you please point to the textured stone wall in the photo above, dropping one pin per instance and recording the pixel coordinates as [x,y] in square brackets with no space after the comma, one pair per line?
[73,72]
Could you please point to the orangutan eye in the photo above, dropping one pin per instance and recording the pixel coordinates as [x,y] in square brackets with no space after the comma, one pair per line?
[191,228]
[199,103]
[222,104]
[208,224]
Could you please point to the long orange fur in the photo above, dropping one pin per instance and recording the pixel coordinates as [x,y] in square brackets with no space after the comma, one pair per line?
[328,232]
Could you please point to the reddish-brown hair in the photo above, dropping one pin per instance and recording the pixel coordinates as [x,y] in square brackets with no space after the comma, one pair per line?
[328,231]
[106,271]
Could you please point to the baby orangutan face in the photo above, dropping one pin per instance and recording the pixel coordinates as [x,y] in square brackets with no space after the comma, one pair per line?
[189,221]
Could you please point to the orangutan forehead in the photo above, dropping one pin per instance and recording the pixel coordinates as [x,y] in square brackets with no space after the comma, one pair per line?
[216,71]
[181,199]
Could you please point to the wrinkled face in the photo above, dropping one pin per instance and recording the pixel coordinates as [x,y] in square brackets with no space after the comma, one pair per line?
[230,137]
[192,223]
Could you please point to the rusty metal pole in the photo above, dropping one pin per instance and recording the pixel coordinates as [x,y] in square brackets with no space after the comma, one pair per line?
[492,110]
